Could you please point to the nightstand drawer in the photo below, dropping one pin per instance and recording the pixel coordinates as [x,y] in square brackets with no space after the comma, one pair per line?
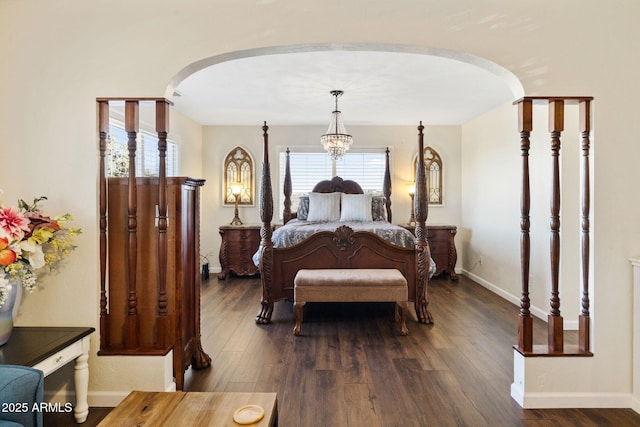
[242,236]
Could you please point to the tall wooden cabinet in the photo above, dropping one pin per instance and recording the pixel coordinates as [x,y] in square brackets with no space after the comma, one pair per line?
[145,317]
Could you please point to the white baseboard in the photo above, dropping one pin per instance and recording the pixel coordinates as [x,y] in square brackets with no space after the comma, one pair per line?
[111,399]
[96,399]
[569,325]
[59,396]
[571,400]
[517,394]
[106,399]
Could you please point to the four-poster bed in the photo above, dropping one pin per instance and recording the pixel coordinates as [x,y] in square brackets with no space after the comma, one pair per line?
[344,246]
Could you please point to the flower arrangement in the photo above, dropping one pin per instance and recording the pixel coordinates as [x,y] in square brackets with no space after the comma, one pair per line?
[31,243]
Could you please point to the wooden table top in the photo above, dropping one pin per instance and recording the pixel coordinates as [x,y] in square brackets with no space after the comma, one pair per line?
[29,346]
[191,409]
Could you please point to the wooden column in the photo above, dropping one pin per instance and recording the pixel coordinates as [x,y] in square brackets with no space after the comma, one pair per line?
[149,260]
[386,186]
[584,318]
[103,129]
[555,334]
[423,254]
[266,243]
[555,321]
[162,127]
[131,123]
[288,189]
[525,321]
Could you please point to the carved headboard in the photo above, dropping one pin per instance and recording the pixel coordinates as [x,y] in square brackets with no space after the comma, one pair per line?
[338,185]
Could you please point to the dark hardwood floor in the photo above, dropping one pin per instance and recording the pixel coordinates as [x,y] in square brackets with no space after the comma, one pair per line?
[351,368]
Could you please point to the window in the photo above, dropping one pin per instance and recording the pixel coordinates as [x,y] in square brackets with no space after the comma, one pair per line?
[433,172]
[367,169]
[147,160]
[238,175]
[308,168]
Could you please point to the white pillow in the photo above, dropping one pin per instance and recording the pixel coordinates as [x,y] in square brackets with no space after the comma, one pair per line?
[356,207]
[324,207]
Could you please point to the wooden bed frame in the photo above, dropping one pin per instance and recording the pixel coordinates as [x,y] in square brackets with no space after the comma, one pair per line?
[343,248]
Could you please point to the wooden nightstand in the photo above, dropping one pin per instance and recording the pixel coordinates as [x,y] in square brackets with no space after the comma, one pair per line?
[239,243]
[442,246]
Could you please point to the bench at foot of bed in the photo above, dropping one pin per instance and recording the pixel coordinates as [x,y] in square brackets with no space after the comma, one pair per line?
[351,285]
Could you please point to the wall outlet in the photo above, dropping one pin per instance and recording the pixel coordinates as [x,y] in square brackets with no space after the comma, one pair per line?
[480,261]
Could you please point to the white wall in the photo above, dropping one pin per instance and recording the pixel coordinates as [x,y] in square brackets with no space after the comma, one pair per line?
[189,137]
[490,211]
[58,57]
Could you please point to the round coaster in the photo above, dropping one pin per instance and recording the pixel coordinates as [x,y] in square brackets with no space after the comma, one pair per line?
[248,414]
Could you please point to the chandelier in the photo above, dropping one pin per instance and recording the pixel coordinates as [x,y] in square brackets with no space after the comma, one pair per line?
[336,141]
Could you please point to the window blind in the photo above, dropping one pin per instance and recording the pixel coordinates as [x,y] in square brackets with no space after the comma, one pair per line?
[367,169]
[308,168]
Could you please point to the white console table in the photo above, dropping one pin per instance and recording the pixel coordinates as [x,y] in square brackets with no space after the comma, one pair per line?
[48,349]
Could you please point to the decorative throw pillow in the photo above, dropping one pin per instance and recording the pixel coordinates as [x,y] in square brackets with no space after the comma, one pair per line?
[379,208]
[303,208]
[324,207]
[356,207]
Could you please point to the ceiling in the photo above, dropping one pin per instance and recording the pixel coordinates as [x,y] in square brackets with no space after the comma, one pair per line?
[380,88]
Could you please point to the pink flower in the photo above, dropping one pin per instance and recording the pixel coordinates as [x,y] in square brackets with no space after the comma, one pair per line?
[13,223]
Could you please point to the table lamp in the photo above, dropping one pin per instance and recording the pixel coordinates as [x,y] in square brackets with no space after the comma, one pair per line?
[412,192]
[236,190]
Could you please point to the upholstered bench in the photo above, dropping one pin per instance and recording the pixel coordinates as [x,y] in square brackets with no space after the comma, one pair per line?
[351,285]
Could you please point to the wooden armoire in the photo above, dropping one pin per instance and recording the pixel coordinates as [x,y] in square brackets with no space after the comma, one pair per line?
[181,301]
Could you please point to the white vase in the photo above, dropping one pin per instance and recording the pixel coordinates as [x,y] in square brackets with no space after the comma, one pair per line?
[18,301]
[7,310]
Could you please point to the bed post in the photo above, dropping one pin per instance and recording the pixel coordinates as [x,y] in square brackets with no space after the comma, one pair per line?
[386,186]
[423,254]
[288,189]
[266,244]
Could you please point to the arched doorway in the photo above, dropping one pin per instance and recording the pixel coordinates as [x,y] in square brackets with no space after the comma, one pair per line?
[404,82]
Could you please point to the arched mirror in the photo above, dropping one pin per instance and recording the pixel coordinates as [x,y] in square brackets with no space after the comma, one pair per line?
[238,177]
[433,172]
